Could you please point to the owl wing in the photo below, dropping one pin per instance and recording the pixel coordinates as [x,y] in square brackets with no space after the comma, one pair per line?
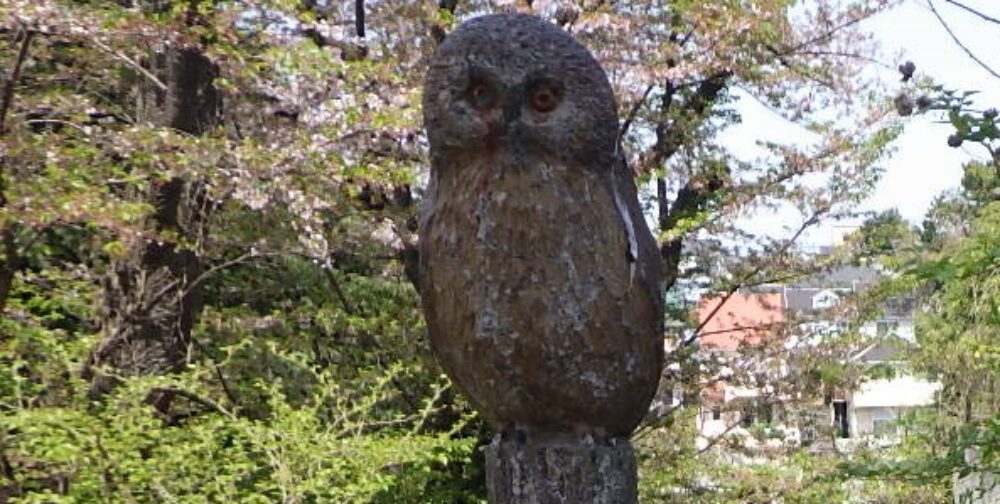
[643,252]
[425,221]
[632,253]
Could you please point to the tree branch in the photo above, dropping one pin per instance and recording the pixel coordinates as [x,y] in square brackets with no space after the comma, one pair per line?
[667,143]
[690,200]
[633,112]
[131,63]
[826,35]
[437,31]
[359,18]
[813,219]
[690,197]
[974,11]
[13,261]
[739,328]
[338,291]
[208,404]
[959,42]
[8,89]
[349,51]
[719,437]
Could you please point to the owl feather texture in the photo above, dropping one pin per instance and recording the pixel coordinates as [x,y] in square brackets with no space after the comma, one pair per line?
[541,282]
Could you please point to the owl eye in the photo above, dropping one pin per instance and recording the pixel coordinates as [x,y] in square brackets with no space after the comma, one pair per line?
[481,95]
[544,97]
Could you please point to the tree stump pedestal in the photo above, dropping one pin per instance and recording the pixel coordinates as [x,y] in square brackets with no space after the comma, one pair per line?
[560,470]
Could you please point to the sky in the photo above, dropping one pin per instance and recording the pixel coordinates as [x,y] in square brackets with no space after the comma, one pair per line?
[923,165]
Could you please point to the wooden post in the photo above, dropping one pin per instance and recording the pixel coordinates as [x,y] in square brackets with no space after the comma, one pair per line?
[558,470]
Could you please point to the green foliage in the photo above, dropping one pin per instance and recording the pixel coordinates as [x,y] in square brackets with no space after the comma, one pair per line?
[121,449]
[885,234]
[291,430]
[955,272]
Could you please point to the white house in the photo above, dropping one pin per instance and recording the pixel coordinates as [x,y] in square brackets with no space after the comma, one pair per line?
[873,409]
[870,412]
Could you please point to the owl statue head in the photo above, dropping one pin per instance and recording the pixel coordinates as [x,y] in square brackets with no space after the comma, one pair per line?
[517,86]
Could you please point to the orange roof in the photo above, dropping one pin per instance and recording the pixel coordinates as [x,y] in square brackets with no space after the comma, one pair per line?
[714,392]
[744,319]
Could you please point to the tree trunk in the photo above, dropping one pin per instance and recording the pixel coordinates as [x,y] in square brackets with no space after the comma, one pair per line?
[13,261]
[151,300]
[560,470]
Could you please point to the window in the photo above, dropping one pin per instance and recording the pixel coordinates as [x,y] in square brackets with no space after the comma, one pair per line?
[825,299]
[885,327]
[760,378]
[883,427]
[884,423]
[840,420]
[756,411]
[716,413]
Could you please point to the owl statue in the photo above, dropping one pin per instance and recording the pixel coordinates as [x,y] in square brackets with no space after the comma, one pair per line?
[540,281]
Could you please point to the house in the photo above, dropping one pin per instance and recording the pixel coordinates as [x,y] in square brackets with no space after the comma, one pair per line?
[732,327]
[872,410]
[729,324]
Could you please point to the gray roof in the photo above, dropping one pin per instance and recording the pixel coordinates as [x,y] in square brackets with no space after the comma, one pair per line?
[901,307]
[890,349]
[799,299]
[846,276]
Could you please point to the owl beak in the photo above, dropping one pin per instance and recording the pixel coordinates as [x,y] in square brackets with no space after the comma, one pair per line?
[512,107]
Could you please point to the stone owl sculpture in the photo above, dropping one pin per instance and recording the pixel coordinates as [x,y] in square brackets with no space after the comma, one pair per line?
[540,281]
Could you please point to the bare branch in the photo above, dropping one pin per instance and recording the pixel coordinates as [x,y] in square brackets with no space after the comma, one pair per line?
[974,11]
[740,328]
[221,266]
[959,42]
[130,62]
[426,413]
[847,55]
[58,122]
[338,291]
[633,112]
[813,219]
[208,404]
[349,51]
[8,89]
[827,35]
[719,437]
[13,261]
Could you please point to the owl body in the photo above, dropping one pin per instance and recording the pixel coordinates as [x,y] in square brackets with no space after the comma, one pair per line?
[540,281]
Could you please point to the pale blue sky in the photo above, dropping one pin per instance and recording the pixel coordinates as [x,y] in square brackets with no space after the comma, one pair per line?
[923,165]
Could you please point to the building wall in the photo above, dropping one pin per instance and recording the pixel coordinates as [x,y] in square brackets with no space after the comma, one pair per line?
[886,326]
[864,420]
[885,400]
[710,427]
